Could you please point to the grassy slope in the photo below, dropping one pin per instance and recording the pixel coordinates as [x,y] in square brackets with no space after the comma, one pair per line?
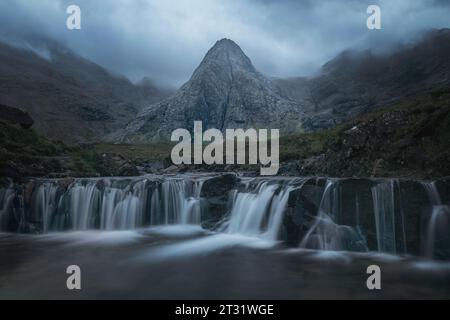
[25,153]
[136,153]
[410,139]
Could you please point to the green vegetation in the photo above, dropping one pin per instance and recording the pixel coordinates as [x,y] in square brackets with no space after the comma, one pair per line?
[136,153]
[25,153]
[306,145]
[15,139]
[408,139]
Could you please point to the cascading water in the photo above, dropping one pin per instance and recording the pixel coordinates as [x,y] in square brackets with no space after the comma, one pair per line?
[7,196]
[106,204]
[314,213]
[384,210]
[258,209]
[46,202]
[325,233]
[437,230]
[177,201]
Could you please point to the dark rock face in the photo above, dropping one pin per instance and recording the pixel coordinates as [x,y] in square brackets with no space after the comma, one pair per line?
[16,116]
[302,209]
[216,191]
[225,91]
[389,215]
[219,186]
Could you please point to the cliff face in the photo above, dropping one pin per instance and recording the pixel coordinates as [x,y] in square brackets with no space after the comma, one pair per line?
[225,91]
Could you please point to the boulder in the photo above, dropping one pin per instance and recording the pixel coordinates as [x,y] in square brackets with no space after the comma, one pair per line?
[16,115]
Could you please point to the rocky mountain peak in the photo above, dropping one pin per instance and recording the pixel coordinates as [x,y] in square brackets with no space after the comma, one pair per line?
[225,91]
[225,57]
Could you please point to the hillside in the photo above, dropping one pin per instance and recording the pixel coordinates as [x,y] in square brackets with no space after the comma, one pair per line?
[355,83]
[408,139]
[69,97]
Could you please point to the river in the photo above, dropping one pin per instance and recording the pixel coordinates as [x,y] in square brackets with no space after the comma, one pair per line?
[224,236]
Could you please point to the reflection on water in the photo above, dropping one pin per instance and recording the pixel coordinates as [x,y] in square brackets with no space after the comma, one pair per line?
[187,262]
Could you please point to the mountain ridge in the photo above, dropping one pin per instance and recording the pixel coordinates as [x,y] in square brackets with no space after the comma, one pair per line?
[224,91]
[354,83]
[69,97]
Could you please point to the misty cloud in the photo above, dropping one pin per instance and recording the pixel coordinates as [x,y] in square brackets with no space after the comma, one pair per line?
[166,40]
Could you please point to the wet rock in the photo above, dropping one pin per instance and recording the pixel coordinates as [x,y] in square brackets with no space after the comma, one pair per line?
[171,169]
[65,183]
[28,191]
[219,186]
[303,206]
[289,169]
[128,170]
[155,166]
[215,192]
[443,186]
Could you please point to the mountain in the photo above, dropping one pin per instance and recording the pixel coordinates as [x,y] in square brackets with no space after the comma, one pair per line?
[225,91]
[74,100]
[69,97]
[355,83]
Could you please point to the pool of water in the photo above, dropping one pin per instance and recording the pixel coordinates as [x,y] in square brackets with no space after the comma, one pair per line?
[187,262]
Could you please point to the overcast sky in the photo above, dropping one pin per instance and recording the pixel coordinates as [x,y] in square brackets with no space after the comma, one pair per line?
[166,39]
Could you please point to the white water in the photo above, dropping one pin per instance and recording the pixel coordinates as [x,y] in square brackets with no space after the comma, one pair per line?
[111,204]
[178,202]
[384,209]
[6,200]
[325,234]
[257,208]
[439,221]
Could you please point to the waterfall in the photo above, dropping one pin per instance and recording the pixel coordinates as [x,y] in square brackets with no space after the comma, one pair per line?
[438,226]
[106,204]
[46,202]
[177,201]
[6,205]
[84,200]
[258,209]
[325,233]
[384,210]
[122,208]
[314,213]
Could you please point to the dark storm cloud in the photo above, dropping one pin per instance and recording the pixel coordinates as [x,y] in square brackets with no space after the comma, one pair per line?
[166,40]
